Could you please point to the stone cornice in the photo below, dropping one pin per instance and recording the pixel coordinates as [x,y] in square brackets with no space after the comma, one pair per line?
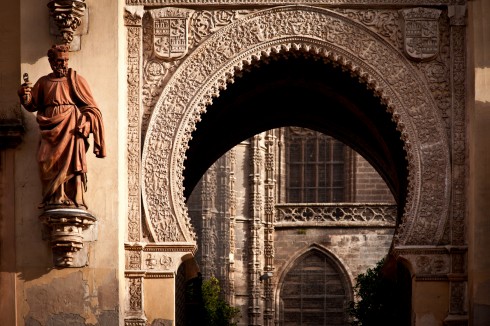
[145,274]
[183,247]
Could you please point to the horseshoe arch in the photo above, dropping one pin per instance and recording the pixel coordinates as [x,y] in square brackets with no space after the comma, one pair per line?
[326,34]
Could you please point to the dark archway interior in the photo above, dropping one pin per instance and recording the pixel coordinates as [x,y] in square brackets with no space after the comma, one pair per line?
[304,92]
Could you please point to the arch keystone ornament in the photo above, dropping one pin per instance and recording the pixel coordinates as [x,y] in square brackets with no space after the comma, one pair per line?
[328,36]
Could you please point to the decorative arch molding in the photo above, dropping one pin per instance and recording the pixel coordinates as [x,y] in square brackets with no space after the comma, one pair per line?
[332,37]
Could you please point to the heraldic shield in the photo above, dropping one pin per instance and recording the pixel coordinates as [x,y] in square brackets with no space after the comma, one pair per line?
[170,32]
[421,33]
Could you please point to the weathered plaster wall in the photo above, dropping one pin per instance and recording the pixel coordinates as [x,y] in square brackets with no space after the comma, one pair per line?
[88,295]
[479,182]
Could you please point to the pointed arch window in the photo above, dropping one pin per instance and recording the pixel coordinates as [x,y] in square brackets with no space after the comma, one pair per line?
[315,165]
[314,292]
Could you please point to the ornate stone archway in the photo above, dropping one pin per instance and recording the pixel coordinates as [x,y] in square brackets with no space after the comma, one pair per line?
[423,94]
[327,34]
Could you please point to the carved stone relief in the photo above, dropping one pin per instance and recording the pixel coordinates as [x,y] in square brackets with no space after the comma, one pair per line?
[421,33]
[159,68]
[293,2]
[158,261]
[428,263]
[325,34]
[133,22]
[68,16]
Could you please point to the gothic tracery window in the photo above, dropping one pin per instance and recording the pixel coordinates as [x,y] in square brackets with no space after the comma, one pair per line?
[315,167]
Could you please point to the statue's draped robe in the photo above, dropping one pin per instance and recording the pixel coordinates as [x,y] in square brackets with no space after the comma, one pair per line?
[63,105]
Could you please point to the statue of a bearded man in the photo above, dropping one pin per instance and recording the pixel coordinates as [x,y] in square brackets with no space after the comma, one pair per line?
[66,114]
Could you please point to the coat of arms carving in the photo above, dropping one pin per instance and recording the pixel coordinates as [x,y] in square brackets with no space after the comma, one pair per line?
[170,32]
[421,33]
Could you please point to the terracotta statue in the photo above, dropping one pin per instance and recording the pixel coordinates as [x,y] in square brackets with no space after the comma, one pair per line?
[67,114]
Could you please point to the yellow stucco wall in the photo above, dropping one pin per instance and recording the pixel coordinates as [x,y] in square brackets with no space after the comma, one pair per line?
[91,294]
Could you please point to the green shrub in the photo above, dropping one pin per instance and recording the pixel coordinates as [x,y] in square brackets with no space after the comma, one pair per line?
[377,299]
[218,311]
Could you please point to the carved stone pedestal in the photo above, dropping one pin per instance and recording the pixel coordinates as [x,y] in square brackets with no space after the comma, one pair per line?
[67,229]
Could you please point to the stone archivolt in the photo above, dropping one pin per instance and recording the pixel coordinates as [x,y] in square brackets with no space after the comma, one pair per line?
[332,37]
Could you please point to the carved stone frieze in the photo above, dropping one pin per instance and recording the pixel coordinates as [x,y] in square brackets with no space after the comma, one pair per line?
[149,260]
[384,22]
[427,263]
[294,2]
[436,264]
[159,261]
[336,214]
[207,22]
[327,35]
[134,322]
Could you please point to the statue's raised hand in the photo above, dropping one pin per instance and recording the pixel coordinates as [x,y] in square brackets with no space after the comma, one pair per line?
[24,91]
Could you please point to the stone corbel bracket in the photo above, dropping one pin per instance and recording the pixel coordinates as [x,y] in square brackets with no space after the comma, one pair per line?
[68,16]
[67,229]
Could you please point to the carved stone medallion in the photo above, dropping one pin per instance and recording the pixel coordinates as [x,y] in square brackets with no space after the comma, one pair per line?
[170,32]
[421,33]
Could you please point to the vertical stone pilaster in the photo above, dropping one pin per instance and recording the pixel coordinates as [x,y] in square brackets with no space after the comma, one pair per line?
[256,220]
[209,223]
[231,198]
[134,315]
[458,312]
[134,311]
[133,21]
[269,187]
